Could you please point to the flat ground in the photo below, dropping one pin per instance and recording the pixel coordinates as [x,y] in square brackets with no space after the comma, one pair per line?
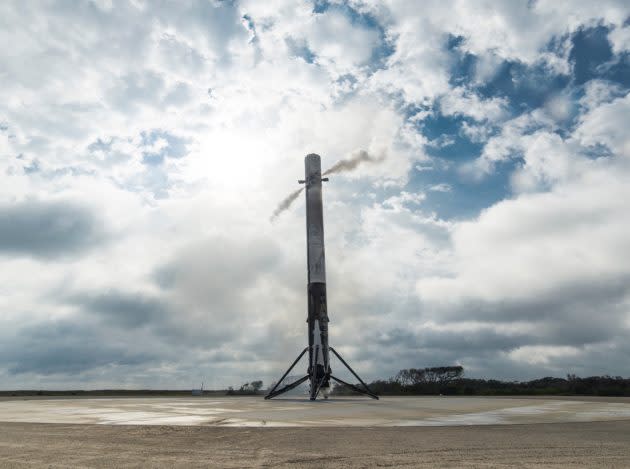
[559,445]
[300,412]
[251,432]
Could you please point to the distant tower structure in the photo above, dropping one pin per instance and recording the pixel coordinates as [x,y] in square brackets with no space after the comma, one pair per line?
[319,372]
[198,392]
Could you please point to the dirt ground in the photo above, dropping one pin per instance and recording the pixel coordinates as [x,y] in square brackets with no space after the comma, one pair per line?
[559,445]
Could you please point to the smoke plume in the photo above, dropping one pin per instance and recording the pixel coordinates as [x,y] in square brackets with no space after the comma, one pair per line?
[351,163]
[286,203]
[341,166]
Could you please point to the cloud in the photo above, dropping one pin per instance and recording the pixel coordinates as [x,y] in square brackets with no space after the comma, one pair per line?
[442,187]
[620,39]
[216,285]
[48,229]
[603,126]
[509,143]
[338,42]
[65,347]
[460,102]
[573,233]
[128,310]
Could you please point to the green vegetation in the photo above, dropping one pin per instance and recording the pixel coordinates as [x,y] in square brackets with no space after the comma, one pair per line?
[247,389]
[449,380]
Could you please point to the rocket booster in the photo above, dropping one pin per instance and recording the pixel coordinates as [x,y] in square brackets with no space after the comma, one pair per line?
[319,365]
[319,373]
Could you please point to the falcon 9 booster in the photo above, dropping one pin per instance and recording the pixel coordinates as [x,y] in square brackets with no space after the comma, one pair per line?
[319,371]
[318,360]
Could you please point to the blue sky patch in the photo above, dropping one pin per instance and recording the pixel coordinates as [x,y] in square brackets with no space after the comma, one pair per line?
[299,48]
[466,197]
[175,147]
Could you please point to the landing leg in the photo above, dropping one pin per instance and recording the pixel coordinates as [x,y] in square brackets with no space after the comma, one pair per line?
[274,393]
[365,391]
[355,388]
[286,388]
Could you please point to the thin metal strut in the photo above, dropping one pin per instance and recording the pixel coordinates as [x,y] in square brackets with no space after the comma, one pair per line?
[271,393]
[367,390]
[288,387]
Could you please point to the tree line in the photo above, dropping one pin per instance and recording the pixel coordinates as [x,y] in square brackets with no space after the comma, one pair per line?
[450,380]
[246,389]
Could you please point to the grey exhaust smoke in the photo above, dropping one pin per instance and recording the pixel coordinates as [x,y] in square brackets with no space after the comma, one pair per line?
[353,162]
[286,203]
[341,166]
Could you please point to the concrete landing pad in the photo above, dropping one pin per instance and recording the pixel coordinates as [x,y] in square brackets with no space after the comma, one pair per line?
[256,412]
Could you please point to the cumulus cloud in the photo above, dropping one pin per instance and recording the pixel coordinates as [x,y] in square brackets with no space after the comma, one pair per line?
[604,125]
[335,40]
[460,102]
[620,39]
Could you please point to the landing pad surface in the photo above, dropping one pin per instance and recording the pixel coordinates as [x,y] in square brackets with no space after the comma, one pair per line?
[298,412]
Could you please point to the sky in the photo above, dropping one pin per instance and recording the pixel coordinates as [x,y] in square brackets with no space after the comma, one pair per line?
[144,146]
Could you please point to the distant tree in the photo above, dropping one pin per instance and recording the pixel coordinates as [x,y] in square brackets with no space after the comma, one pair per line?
[437,375]
[411,376]
[250,388]
[446,374]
